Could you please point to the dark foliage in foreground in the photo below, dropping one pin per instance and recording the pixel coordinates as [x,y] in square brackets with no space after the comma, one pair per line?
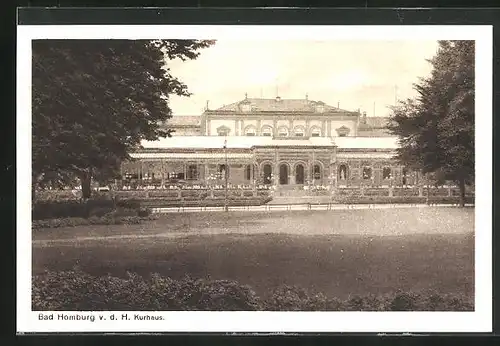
[76,290]
[95,100]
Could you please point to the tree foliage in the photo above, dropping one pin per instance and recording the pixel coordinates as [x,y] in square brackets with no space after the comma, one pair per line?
[95,100]
[436,129]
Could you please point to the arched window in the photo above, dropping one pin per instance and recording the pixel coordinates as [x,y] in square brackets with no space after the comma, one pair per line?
[316,172]
[299,131]
[343,172]
[405,176]
[315,132]
[248,172]
[282,132]
[267,173]
[192,172]
[250,131]
[386,173]
[267,131]
[299,174]
[367,173]
[223,171]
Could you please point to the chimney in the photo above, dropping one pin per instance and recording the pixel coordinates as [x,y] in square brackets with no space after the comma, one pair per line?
[364,117]
[307,97]
[338,104]
[278,99]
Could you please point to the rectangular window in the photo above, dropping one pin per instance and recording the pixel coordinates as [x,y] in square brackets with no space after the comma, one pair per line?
[267,134]
[314,134]
[250,133]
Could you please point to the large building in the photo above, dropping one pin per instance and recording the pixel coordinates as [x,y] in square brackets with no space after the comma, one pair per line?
[285,143]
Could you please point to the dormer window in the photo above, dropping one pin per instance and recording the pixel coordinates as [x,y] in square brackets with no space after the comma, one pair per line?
[250,131]
[223,131]
[343,131]
[315,132]
[267,131]
[282,132]
[299,131]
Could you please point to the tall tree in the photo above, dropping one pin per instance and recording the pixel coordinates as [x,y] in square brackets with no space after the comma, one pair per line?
[436,129]
[95,100]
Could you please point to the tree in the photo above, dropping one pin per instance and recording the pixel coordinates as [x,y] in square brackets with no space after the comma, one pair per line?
[436,129]
[95,100]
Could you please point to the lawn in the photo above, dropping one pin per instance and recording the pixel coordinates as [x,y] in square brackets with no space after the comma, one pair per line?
[339,253]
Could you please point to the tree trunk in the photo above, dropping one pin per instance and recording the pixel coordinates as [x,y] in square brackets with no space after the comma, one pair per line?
[86,178]
[461,185]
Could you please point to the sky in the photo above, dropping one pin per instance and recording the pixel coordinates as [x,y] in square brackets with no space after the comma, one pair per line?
[368,75]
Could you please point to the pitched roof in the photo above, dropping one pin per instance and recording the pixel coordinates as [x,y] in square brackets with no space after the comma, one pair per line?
[233,142]
[374,132]
[367,142]
[247,142]
[377,122]
[183,120]
[280,105]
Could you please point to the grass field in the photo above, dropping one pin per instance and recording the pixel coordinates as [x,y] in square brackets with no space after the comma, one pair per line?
[339,253]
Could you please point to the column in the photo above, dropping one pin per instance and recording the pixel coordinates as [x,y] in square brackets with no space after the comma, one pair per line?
[290,126]
[257,131]
[276,170]
[162,174]
[236,128]
[208,127]
[323,128]
[329,129]
[275,125]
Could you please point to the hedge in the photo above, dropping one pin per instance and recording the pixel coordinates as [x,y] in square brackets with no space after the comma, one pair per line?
[196,202]
[76,290]
[70,208]
[109,219]
[399,200]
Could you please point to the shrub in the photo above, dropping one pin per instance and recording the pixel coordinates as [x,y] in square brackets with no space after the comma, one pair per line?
[404,301]
[129,203]
[76,290]
[144,212]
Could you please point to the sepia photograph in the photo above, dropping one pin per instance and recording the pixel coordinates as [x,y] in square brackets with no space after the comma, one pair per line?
[225,173]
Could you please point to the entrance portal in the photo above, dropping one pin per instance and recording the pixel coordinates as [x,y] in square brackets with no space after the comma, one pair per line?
[283,174]
[299,174]
[267,174]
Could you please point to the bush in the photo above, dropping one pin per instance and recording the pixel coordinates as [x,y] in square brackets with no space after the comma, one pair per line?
[76,290]
[129,203]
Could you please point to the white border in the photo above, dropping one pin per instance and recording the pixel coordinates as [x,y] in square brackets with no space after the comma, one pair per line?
[478,321]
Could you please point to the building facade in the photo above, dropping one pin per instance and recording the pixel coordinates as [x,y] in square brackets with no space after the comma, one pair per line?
[280,143]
